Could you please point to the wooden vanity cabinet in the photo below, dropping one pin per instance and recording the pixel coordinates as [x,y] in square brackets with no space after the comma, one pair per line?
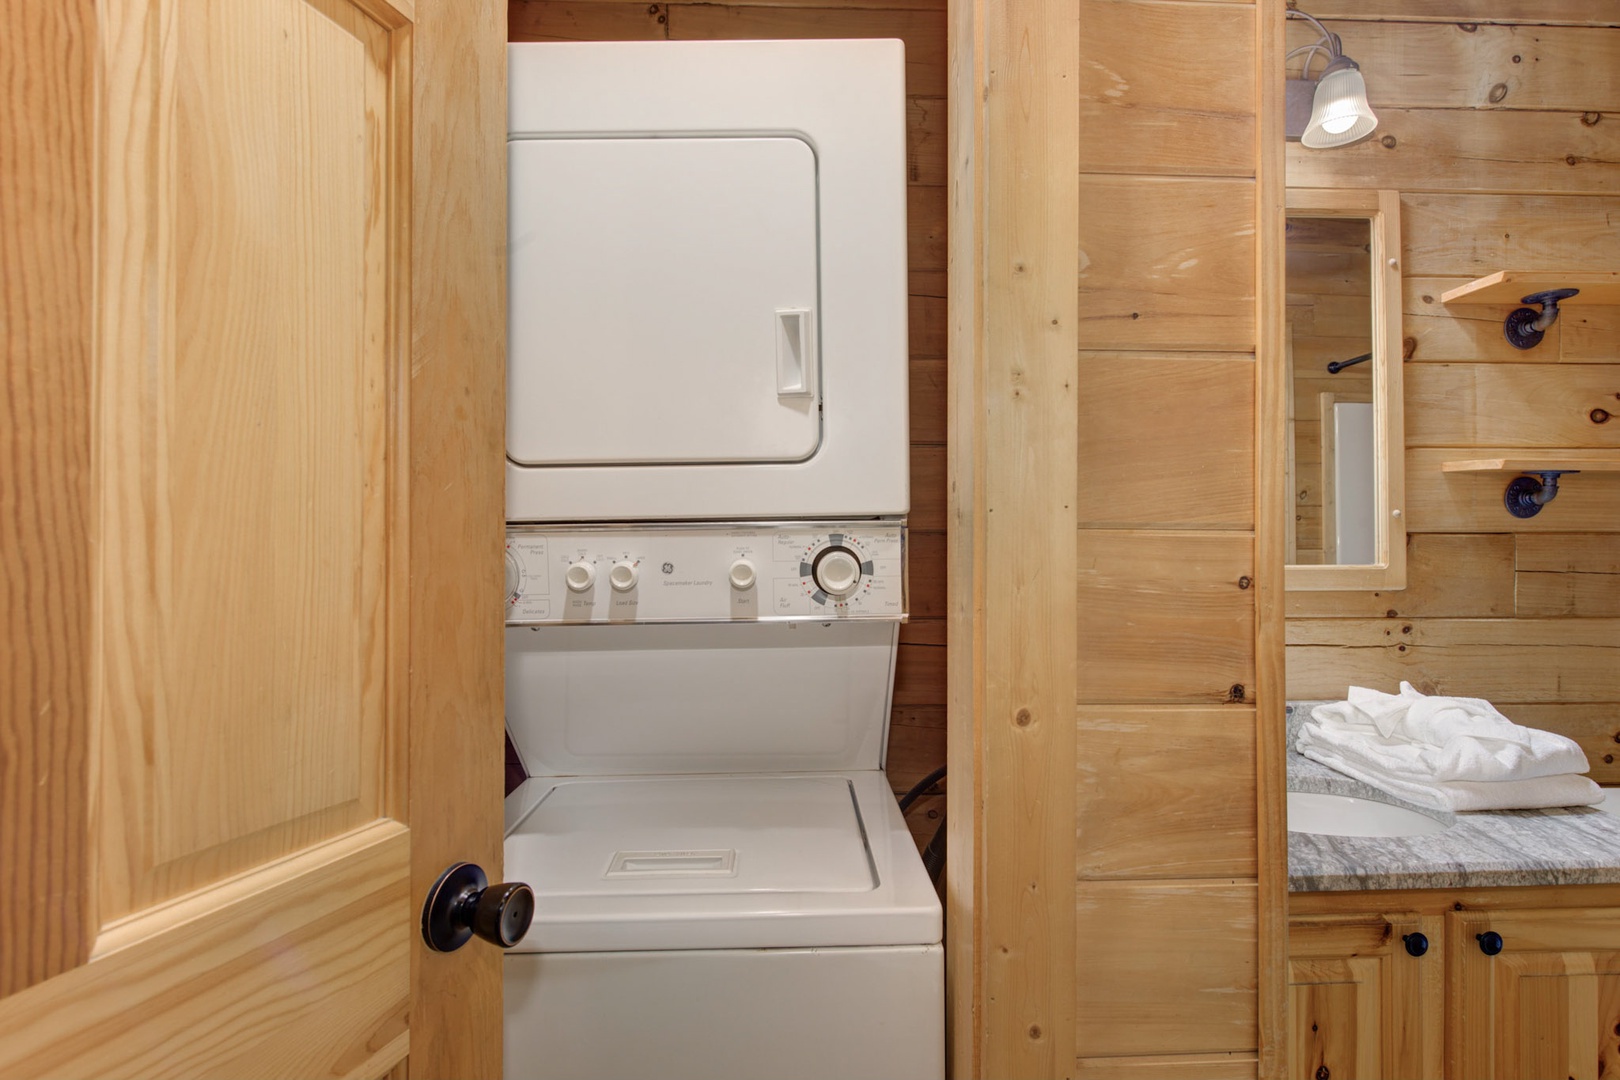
[1546,1005]
[1361,1006]
[1539,1000]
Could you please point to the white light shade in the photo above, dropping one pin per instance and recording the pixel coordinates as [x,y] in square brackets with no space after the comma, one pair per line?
[1341,114]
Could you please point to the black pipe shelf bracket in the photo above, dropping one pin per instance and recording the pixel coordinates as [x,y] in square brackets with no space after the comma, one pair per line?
[1526,495]
[1525,327]
[1535,476]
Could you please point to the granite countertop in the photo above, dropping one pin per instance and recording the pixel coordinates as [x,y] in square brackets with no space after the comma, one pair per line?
[1575,846]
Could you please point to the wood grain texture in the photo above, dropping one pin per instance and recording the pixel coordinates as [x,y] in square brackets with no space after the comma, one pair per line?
[1361,1005]
[1529,12]
[1166,617]
[1232,1066]
[1181,425]
[1503,660]
[243,497]
[1180,963]
[965,543]
[1568,574]
[1139,103]
[1460,64]
[1167,263]
[1513,405]
[1439,501]
[153,1008]
[46,312]
[456,420]
[1466,575]
[1142,813]
[1456,150]
[1030,232]
[923,32]
[1272,496]
[1529,232]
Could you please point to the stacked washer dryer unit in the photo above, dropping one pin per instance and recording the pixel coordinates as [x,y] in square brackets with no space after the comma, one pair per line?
[706,497]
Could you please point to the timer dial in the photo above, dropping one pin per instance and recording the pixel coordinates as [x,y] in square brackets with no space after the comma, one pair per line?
[837,571]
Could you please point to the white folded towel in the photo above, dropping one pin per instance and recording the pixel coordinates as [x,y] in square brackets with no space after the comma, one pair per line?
[1566,789]
[1423,738]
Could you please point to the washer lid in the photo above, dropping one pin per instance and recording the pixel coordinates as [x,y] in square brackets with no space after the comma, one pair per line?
[684,836]
[717,862]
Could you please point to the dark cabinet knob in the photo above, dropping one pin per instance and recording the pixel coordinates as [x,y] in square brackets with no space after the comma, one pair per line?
[1490,942]
[463,903]
[1416,944]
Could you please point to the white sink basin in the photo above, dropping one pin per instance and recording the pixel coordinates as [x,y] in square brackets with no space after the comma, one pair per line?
[1341,815]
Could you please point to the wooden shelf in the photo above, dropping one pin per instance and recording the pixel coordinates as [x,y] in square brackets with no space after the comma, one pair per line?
[1512,286]
[1561,460]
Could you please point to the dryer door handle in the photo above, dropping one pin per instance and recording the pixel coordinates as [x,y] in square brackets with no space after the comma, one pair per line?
[795,352]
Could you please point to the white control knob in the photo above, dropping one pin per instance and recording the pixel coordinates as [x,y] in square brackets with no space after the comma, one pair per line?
[622,577]
[580,576]
[742,575]
[837,571]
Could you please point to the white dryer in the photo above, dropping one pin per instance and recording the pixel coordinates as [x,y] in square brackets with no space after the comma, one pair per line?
[707,281]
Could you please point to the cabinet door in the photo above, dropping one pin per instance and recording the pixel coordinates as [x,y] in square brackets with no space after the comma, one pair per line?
[1361,1007]
[1546,1005]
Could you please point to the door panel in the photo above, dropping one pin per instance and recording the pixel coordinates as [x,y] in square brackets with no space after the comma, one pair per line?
[1547,1004]
[245,510]
[254,332]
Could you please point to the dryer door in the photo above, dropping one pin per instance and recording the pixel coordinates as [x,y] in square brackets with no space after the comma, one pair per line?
[663,301]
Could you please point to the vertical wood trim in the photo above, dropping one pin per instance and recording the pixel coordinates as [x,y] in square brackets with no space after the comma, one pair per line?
[1272,507]
[457,426]
[1030,236]
[46,305]
[964,810]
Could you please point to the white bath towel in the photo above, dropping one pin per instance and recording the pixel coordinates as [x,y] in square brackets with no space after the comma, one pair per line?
[1566,789]
[1421,738]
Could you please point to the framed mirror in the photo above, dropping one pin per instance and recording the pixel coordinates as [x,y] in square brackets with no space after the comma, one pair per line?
[1346,440]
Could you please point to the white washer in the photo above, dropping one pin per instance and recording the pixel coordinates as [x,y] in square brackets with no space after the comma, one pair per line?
[707,281]
[724,884]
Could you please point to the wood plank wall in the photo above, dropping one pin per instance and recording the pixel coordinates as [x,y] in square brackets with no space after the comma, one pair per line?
[1170,401]
[1500,126]
[917,721]
[1173,190]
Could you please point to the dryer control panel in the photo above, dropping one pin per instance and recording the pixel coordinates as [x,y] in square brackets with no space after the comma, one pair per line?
[705,573]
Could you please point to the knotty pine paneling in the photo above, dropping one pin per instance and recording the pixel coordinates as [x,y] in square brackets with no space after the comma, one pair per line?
[1498,128]
[1134,101]
[1504,660]
[1530,405]
[1167,263]
[1174,968]
[917,732]
[1164,440]
[1166,616]
[1462,575]
[1143,813]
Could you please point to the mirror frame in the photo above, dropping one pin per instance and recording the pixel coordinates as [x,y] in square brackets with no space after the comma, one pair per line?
[1382,210]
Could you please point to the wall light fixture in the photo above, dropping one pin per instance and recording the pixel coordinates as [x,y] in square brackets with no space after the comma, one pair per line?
[1331,109]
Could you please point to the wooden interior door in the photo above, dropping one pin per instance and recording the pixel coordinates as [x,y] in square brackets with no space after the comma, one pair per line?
[250,524]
